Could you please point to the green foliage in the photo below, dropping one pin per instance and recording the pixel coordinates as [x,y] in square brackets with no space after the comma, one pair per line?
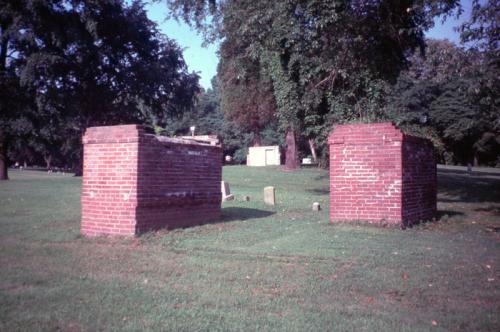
[86,63]
[442,59]
[246,92]
[458,91]
[208,118]
[270,135]
[481,31]
[328,61]
[205,115]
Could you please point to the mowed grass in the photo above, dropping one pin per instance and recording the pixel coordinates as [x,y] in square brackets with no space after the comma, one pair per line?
[260,268]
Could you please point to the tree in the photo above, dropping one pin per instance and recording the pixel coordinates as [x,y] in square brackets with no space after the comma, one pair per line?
[456,120]
[246,96]
[209,119]
[328,61]
[481,33]
[482,29]
[458,89]
[86,63]
[13,99]
[205,115]
[444,87]
[442,59]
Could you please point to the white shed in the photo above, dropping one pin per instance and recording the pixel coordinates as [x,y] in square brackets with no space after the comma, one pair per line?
[263,155]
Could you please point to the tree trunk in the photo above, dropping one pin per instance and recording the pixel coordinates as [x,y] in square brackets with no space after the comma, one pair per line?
[48,161]
[4,175]
[4,43]
[313,150]
[291,161]
[256,141]
[78,165]
[78,169]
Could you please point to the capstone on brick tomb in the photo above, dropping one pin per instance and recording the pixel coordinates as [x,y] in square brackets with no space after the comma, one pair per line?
[380,175]
[134,182]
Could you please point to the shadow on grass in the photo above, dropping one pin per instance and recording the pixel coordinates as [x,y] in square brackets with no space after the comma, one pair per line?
[494,210]
[473,173]
[322,177]
[440,216]
[319,191]
[445,214]
[239,213]
[460,187]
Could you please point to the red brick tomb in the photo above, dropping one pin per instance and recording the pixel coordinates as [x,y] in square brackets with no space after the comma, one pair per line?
[134,182]
[380,175]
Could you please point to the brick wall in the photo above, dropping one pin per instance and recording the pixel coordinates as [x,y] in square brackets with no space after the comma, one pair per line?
[419,179]
[134,182]
[378,175]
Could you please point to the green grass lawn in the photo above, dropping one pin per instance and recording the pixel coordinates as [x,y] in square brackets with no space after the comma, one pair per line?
[260,268]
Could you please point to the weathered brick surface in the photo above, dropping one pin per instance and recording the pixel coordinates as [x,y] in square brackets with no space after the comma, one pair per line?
[379,175]
[134,182]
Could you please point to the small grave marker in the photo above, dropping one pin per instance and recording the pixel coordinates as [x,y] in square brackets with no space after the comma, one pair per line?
[269,196]
[226,192]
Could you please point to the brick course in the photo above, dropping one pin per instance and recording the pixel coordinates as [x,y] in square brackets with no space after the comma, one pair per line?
[134,182]
[379,175]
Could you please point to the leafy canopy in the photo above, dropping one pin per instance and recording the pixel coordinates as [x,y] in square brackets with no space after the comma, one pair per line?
[66,65]
[327,61]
